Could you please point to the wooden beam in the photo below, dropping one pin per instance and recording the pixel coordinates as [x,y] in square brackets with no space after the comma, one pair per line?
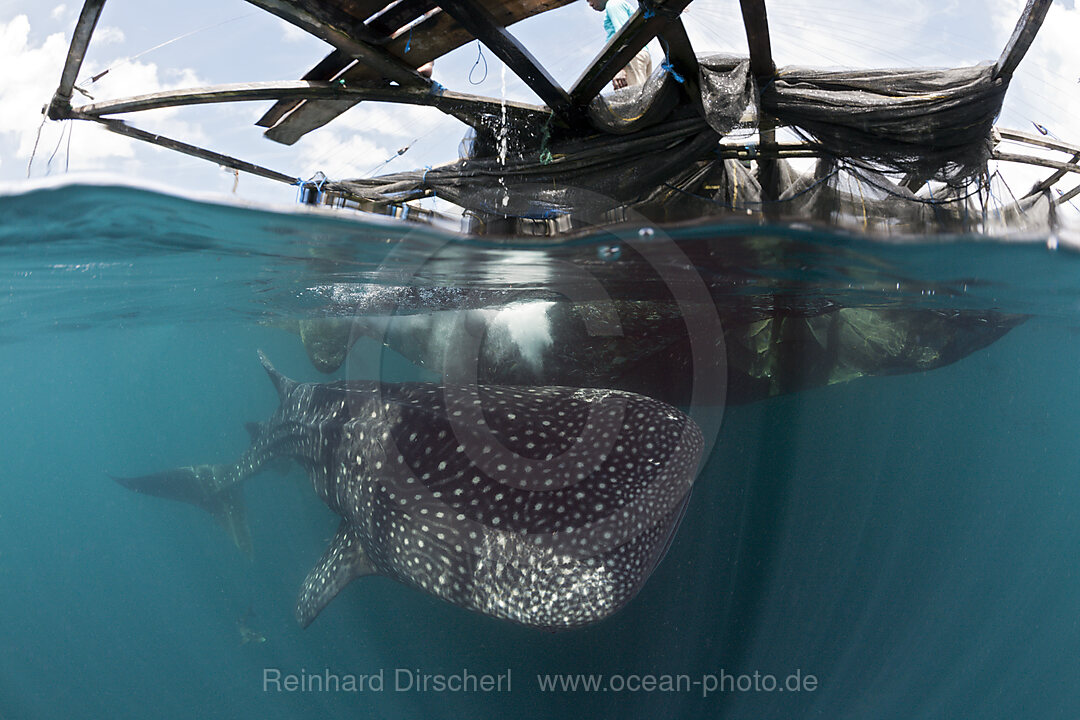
[1027,27]
[328,69]
[122,128]
[1066,197]
[680,53]
[756,22]
[762,67]
[396,15]
[346,33]
[1039,140]
[430,39]
[80,39]
[1052,180]
[482,24]
[1033,160]
[452,103]
[642,27]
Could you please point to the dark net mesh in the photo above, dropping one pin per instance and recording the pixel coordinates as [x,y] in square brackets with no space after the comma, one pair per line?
[888,150]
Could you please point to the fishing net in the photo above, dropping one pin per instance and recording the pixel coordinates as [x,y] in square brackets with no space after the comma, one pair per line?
[889,150]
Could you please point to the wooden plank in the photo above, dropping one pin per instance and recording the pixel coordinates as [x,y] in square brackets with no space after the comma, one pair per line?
[757,37]
[482,24]
[1033,160]
[1052,180]
[1061,200]
[453,103]
[345,33]
[80,39]
[1027,27]
[328,69]
[428,40]
[122,128]
[642,27]
[1039,140]
[398,14]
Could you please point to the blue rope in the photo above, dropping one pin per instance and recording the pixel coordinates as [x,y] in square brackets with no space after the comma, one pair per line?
[479,57]
[668,67]
[408,42]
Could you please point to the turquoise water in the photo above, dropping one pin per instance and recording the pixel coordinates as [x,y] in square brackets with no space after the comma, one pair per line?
[910,540]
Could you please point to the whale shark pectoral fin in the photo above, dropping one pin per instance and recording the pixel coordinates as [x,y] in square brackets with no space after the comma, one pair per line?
[344,561]
[210,487]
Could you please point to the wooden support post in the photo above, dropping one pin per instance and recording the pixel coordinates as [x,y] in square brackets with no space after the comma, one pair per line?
[757,37]
[121,128]
[1033,160]
[1067,196]
[80,39]
[642,27]
[763,69]
[680,53]
[1027,27]
[1049,182]
[482,24]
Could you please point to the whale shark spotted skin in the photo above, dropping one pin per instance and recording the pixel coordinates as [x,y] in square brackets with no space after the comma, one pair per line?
[546,506]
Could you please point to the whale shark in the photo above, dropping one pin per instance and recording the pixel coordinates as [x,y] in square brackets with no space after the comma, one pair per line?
[545,506]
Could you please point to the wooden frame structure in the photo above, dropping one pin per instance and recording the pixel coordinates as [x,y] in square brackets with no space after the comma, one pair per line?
[378,46]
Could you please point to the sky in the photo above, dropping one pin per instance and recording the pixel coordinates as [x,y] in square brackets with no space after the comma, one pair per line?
[150,45]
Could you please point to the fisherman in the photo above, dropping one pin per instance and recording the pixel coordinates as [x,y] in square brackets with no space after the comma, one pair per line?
[616,13]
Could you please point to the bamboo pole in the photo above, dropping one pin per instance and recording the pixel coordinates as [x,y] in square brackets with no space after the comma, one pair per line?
[80,40]
[121,128]
[452,103]
[1027,27]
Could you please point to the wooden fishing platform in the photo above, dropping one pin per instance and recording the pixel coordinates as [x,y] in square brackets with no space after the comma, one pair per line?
[378,48]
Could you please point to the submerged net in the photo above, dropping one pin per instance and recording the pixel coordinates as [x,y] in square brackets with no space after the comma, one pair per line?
[893,150]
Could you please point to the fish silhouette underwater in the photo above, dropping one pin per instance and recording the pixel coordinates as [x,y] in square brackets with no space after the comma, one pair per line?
[546,506]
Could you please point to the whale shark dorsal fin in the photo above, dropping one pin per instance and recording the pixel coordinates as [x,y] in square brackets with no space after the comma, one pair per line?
[343,562]
[283,384]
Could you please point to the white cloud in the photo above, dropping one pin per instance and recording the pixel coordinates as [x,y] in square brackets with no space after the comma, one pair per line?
[28,75]
[58,12]
[107,35]
[338,156]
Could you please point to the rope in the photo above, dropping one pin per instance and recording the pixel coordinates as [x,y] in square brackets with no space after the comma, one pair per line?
[37,139]
[59,141]
[67,152]
[133,58]
[667,67]
[479,57]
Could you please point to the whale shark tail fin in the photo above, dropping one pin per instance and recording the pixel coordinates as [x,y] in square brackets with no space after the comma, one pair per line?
[206,486]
